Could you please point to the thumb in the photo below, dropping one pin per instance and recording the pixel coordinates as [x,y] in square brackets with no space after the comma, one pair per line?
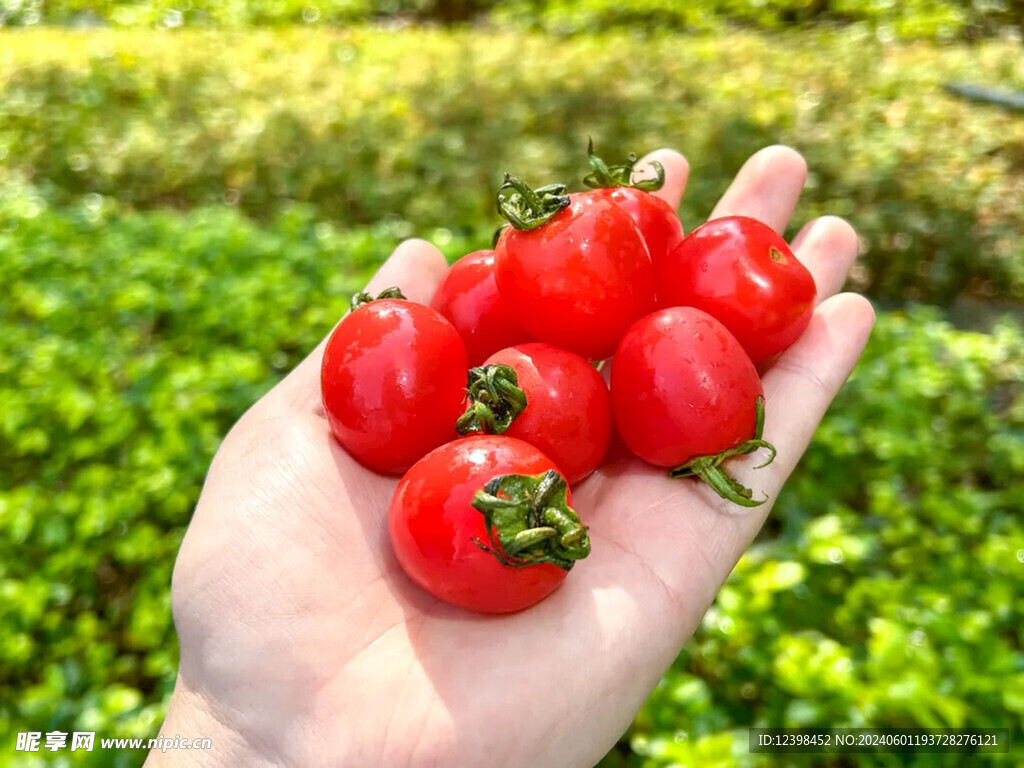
[416,267]
[677,171]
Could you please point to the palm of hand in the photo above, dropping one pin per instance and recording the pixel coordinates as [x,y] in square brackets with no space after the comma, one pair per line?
[302,638]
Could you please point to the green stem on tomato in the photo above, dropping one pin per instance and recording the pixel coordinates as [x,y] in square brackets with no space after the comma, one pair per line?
[526,208]
[709,468]
[529,521]
[604,176]
[495,399]
[497,235]
[363,297]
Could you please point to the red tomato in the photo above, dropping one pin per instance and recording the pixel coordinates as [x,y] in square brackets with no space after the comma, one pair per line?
[658,223]
[682,388]
[579,279]
[442,542]
[741,272]
[568,408]
[656,220]
[393,380]
[468,296]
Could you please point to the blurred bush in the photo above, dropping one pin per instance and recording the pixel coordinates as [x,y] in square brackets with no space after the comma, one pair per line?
[128,346]
[933,19]
[418,126]
[884,590]
[208,13]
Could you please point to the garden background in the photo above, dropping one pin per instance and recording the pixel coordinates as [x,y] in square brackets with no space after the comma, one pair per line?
[190,191]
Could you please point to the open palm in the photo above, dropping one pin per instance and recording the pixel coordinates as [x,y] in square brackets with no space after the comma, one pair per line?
[304,644]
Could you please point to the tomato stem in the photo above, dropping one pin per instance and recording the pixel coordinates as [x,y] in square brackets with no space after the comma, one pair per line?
[361,298]
[529,521]
[526,208]
[604,176]
[495,399]
[709,468]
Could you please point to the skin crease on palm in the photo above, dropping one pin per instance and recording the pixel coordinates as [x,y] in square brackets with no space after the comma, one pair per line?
[304,644]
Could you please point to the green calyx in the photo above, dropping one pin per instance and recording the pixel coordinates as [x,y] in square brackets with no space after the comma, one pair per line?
[495,399]
[363,297]
[709,468]
[529,521]
[526,208]
[604,176]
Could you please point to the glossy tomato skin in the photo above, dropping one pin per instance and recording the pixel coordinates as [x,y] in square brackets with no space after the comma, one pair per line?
[468,297]
[568,413]
[392,379]
[655,219]
[682,386]
[432,526]
[579,280]
[740,271]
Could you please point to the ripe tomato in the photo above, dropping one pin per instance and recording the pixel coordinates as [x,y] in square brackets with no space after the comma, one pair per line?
[567,411]
[685,395]
[468,296]
[573,269]
[741,272]
[392,380]
[484,523]
[657,222]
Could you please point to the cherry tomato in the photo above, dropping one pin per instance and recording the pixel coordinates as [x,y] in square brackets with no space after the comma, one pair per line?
[683,389]
[453,549]
[393,381]
[658,223]
[567,411]
[579,277]
[468,296]
[741,272]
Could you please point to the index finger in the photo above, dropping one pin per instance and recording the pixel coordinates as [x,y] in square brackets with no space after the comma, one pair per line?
[766,188]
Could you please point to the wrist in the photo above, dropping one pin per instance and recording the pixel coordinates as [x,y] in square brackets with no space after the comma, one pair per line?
[193,735]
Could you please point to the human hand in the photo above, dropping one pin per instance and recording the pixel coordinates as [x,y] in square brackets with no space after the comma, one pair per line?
[303,642]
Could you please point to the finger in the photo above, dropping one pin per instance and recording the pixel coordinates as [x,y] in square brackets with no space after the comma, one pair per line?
[686,534]
[827,247]
[416,267]
[801,237]
[677,172]
[802,383]
[766,187]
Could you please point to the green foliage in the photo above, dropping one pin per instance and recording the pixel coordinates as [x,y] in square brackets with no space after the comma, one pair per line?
[128,346]
[932,19]
[172,13]
[916,19]
[885,588]
[419,126]
[229,13]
